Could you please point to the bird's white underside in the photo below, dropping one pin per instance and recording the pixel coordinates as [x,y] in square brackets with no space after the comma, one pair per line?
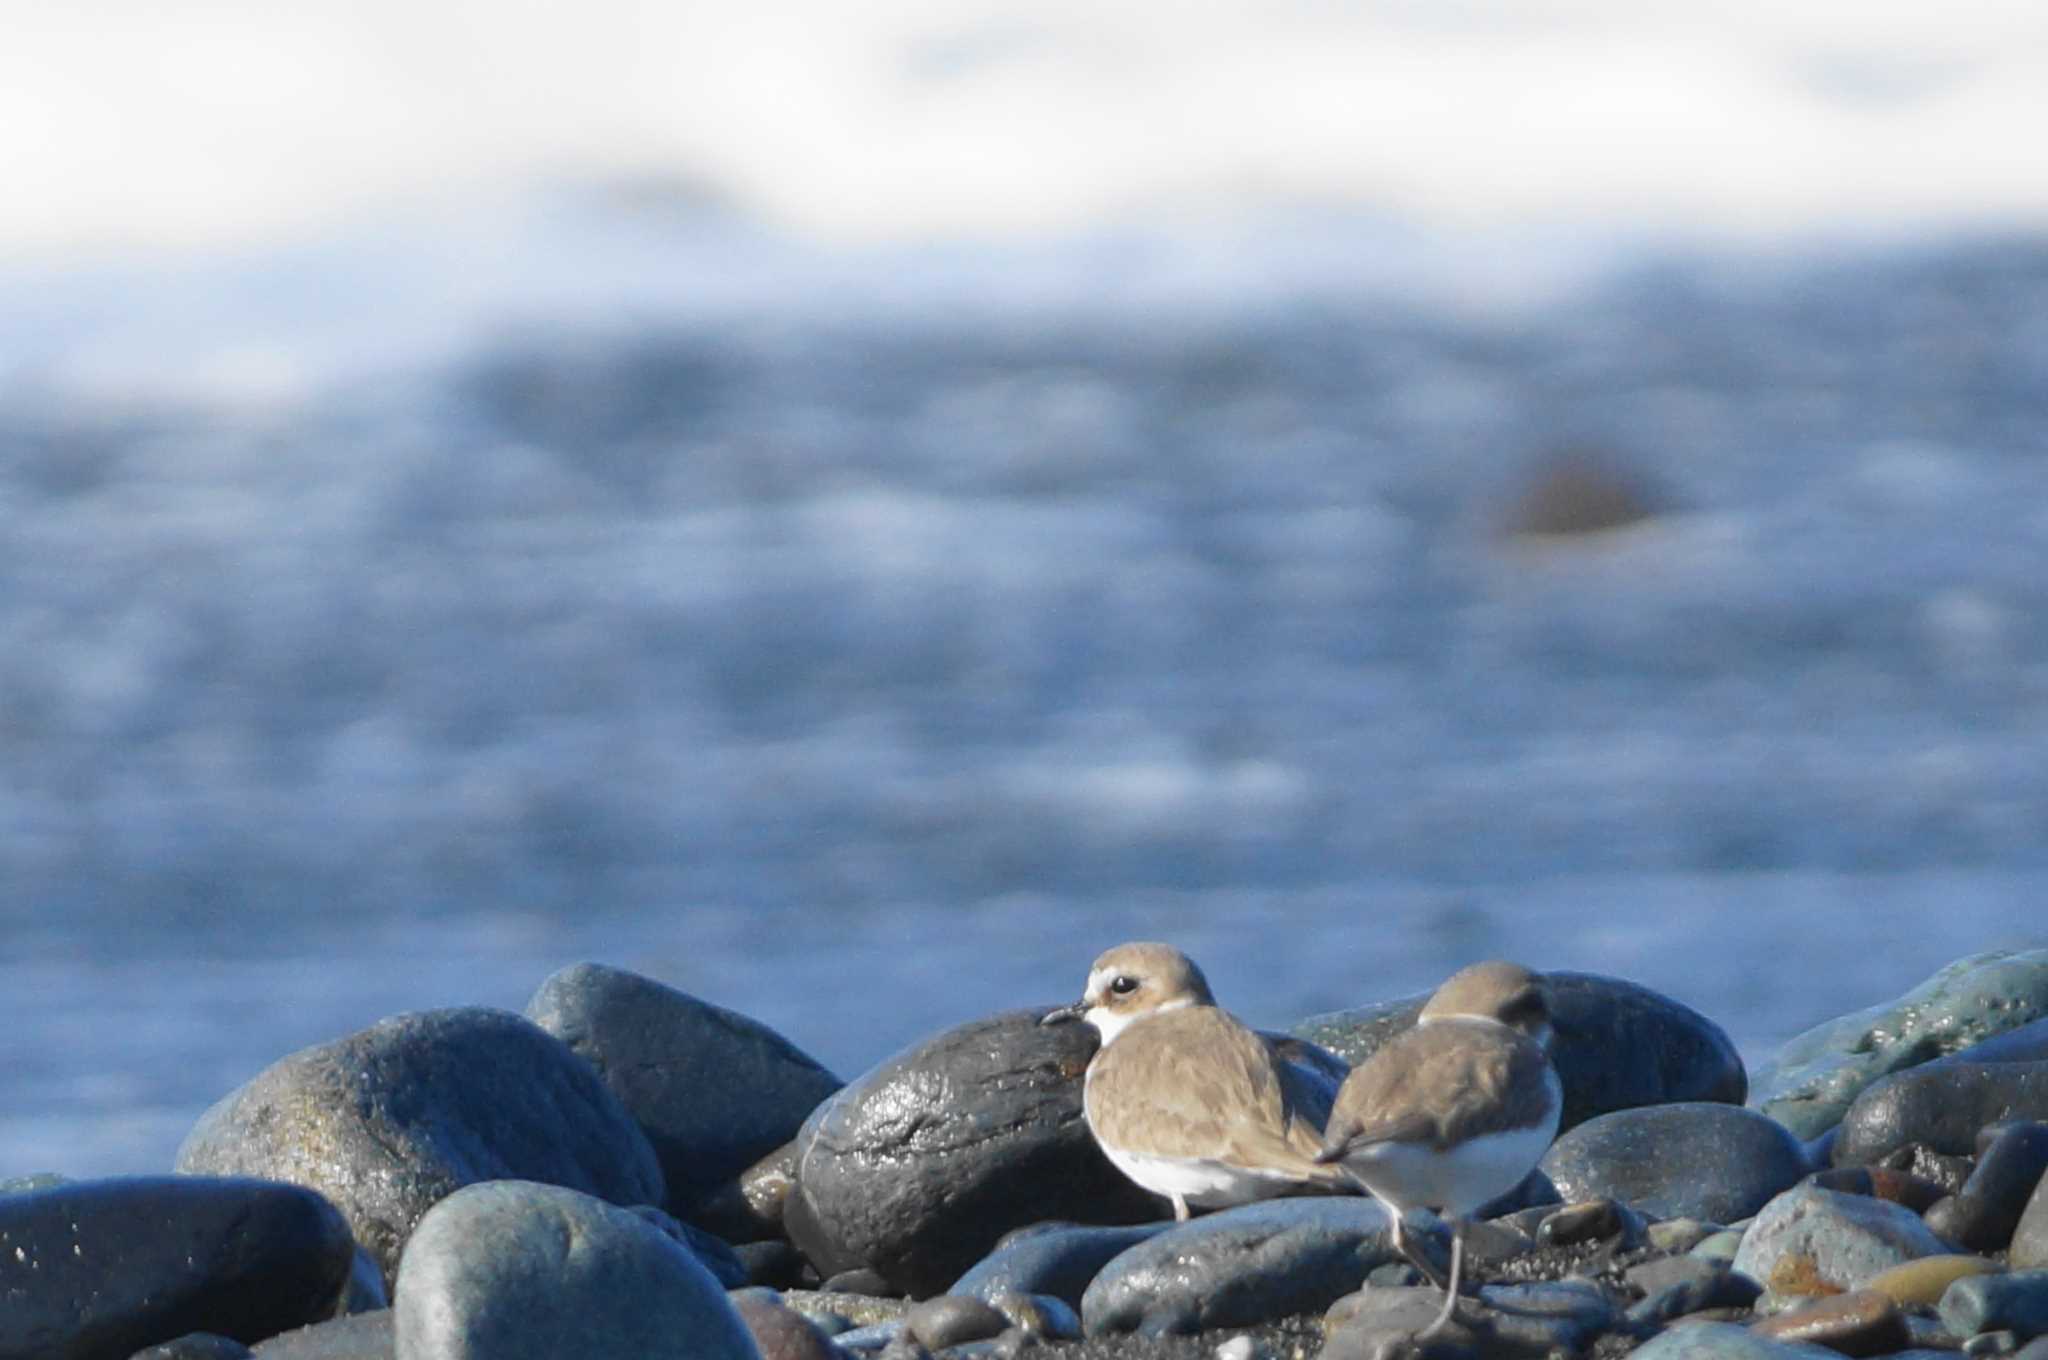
[1200,1181]
[1459,1179]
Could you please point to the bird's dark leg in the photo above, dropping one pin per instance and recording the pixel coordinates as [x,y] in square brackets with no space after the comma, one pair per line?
[1450,1288]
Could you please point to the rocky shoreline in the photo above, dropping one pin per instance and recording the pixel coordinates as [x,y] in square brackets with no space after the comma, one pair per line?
[625,1170]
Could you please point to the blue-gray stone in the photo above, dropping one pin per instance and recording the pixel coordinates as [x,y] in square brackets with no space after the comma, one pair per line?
[1941,1106]
[90,1269]
[1984,1213]
[872,1337]
[515,1270]
[365,1336]
[392,1119]
[1060,1262]
[1242,1266]
[1724,1341]
[1695,1160]
[1618,1045]
[1845,1239]
[1676,1285]
[1809,1084]
[1546,1316]
[2015,1302]
[920,1166]
[713,1090]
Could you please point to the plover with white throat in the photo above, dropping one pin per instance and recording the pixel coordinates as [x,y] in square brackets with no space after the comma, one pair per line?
[1456,1111]
[1183,1097]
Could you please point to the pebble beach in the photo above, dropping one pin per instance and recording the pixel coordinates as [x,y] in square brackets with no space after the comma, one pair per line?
[626,1169]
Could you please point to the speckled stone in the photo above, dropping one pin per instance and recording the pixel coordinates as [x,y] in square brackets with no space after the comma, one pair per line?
[1809,1084]
[713,1090]
[105,1267]
[514,1270]
[1942,1105]
[1696,1159]
[390,1120]
[1811,1241]
[1856,1324]
[917,1168]
[1921,1283]
[1618,1045]
[1245,1265]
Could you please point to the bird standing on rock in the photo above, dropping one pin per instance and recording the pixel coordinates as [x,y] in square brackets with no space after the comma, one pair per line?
[1457,1111]
[1183,1097]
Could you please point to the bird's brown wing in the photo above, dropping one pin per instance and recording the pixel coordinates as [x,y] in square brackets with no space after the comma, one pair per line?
[1196,1083]
[1434,1085]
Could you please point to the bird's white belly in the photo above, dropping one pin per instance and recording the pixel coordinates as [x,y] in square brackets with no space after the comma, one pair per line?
[1198,1180]
[1456,1180]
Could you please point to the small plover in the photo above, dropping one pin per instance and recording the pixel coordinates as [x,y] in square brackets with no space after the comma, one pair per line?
[1183,1097]
[1456,1111]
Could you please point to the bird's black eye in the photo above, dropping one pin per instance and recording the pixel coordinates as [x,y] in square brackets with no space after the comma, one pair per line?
[1123,984]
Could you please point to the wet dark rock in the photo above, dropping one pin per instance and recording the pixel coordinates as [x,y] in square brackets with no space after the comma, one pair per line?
[515,1269]
[714,1253]
[1809,1241]
[779,1331]
[920,1166]
[1811,1082]
[863,1280]
[749,1208]
[365,1336]
[1593,1220]
[1619,1045]
[106,1267]
[1945,1171]
[1544,1317]
[951,1319]
[1695,1159]
[196,1346]
[1245,1265]
[1724,1341]
[394,1118]
[1060,1262]
[1856,1324]
[1942,1105]
[1899,1187]
[2016,1302]
[713,1090]
[1381,1324]
[1984,1213]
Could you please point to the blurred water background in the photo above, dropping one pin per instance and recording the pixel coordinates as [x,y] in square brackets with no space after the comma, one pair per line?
[852,515]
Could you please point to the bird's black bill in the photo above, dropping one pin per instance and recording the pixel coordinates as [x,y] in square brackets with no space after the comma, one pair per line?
[1061,1014]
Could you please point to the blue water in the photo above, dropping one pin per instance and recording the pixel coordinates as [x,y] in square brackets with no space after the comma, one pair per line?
[866,656]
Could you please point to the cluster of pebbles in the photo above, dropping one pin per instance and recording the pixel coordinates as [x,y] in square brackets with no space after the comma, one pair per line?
[627,1171]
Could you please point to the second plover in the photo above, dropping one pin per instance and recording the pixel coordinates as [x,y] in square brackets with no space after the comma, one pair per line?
[1183,1097]
[1456,1111]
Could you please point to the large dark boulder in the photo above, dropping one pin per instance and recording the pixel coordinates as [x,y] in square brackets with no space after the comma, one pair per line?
[917,1168]
[1619,1045]
[1696,1159]
[1941,1105]
[97,1270]
[396,1117]
[713,1090]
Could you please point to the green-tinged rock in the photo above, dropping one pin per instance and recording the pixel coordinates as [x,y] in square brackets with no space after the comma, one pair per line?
[1811,1081]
